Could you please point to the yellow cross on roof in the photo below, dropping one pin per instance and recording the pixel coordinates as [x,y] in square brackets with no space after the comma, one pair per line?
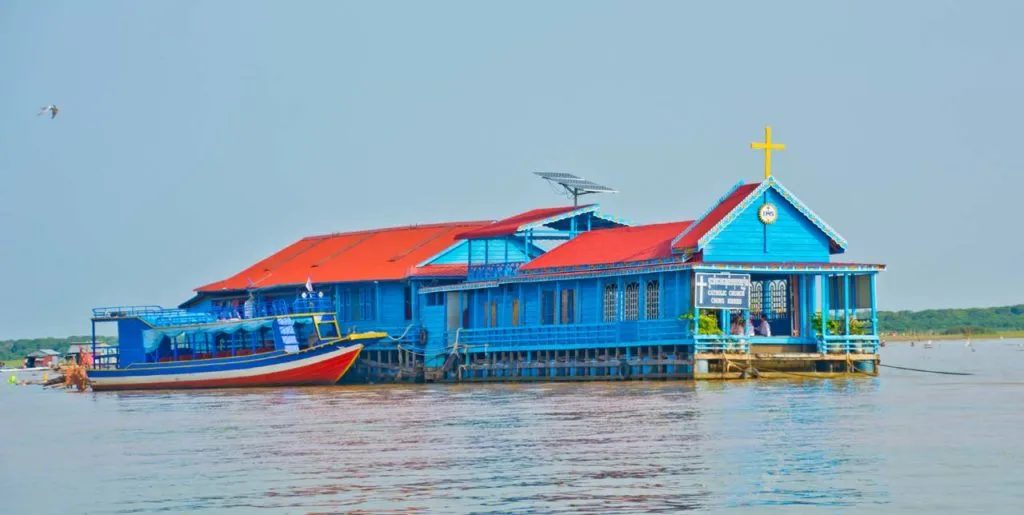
[767,146]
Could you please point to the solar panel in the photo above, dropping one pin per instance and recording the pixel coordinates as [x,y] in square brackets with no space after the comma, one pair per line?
[557,175]
[575,184]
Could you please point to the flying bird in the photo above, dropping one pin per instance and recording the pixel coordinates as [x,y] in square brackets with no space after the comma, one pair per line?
[52,109]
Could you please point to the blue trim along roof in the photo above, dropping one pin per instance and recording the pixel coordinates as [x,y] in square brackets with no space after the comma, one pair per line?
[592,209]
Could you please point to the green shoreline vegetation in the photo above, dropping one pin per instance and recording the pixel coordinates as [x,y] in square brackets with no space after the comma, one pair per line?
[929,324]
[953,324]
[917,337]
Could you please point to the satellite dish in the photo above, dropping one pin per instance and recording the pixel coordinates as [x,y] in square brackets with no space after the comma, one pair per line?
[575,185]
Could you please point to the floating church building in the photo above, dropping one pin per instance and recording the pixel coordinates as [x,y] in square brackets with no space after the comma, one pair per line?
[749,288]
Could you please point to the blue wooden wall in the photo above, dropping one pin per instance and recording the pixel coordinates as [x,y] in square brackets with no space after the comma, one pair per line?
[129,341]
[673,299]
[204,305]
[433,320]
[589,295]
[392,303]
[791,238]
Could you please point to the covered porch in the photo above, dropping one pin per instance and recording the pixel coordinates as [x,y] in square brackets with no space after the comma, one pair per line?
[804,308]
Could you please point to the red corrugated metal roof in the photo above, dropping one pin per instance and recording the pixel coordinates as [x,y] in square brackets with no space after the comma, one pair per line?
[609,246]
[714,216]
[372,255]
[512,224]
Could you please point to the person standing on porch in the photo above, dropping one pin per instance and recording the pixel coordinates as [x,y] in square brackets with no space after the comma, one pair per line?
[763,329]
[736,328]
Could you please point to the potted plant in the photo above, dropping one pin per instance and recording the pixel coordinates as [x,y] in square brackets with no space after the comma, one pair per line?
[707,324]
[837,327]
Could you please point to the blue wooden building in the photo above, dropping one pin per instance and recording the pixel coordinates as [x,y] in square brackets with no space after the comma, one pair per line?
[572,293]
[620,301]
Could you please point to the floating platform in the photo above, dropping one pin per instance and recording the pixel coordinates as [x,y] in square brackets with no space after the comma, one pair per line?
[782,365]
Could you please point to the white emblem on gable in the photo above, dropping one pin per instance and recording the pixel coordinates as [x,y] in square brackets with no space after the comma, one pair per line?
[768,213]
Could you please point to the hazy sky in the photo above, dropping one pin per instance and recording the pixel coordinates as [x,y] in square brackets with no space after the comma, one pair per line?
[195,138]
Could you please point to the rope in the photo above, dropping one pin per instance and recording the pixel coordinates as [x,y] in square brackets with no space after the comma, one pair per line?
[928,371]
[412,350]
[407,329]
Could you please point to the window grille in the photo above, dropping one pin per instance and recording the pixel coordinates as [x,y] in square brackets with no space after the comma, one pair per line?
[611,302]
[778,298]
[756,297]
[652,300]
[631,310]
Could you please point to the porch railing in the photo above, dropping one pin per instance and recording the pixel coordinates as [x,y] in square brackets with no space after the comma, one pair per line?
[571,334]
[722,343]
[848,344]
[866,343]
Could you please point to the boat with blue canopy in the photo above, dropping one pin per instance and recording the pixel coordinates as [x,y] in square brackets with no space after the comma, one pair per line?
[296,344]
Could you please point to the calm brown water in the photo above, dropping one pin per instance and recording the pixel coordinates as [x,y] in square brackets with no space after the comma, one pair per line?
[902,443]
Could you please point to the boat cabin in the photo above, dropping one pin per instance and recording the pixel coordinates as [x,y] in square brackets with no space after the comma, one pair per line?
[151,334]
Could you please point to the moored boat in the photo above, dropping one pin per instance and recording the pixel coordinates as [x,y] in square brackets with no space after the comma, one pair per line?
[175,349]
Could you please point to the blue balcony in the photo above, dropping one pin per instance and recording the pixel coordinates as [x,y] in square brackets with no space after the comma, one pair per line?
[491,271]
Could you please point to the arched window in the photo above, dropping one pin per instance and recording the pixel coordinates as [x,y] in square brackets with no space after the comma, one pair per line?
[652,299]
[756,296]
[777,298]
[611,302]
[631,309]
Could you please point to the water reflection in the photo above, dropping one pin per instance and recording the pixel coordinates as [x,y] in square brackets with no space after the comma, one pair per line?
[898,443]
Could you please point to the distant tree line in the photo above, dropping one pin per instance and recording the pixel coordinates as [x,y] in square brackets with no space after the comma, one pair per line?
[954,321]
[18,349]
